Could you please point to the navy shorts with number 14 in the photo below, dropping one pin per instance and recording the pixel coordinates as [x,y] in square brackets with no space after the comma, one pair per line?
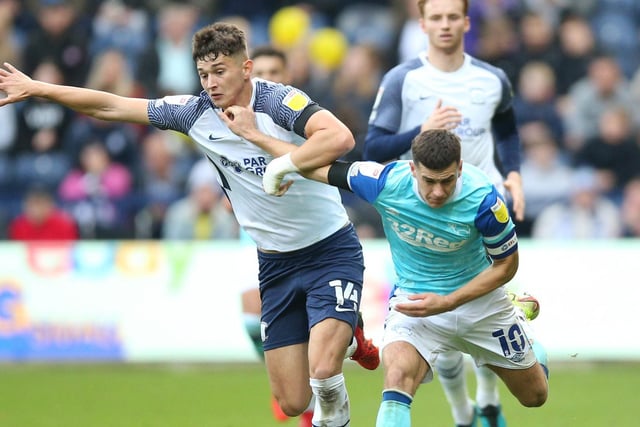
[303,287]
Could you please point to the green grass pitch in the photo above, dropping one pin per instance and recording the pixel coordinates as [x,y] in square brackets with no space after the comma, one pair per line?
[220,395]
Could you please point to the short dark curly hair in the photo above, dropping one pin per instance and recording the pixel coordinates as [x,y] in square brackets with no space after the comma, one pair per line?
[436,149]
[218,39]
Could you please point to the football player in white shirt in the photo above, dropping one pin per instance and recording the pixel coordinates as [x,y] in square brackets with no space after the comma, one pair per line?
[447,88]
[310,259]
[269,63]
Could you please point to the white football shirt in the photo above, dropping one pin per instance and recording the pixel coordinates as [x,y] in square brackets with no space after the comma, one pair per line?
[410,91]
[306,214]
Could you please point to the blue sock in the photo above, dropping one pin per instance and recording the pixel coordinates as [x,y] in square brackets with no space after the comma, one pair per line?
[252,326]
[541,355]
[395,409]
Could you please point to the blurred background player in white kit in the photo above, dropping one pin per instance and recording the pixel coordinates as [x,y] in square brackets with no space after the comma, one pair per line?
[447,88]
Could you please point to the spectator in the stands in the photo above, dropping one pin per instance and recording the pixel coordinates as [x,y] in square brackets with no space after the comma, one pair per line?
[603,87]
[588,214]
[109,72]
[631,208]
[42,219]
[39,157]
[166,163]
[205,213]
[123,26]
[577,48]
[546,174]
[96,193]
[536,100]
[61,37]
[167,66]
[614,152]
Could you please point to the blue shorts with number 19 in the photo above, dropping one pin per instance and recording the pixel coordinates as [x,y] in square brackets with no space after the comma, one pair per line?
[304,287]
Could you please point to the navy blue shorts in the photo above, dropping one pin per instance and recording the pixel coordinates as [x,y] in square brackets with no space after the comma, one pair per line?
[304,287]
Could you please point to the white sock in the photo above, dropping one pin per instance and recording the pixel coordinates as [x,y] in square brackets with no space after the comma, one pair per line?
[332,402]
[451,372]
[352,348]
[312,403]
[487,390]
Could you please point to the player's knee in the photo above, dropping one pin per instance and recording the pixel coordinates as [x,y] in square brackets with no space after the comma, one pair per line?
[398,378]
[535,397]
[326,367]
[450,364]
[292,411]
[292,408]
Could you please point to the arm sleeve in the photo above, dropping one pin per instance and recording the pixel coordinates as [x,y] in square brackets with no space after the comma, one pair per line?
[507,140]
[365,179]
[301,121]
[338,174]
[496,227]
[382,145]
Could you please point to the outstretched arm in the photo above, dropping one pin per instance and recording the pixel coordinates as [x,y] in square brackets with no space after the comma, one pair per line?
[327,137]
[327,140]
[101,105]
[428,304]
[508,146]
[382,145]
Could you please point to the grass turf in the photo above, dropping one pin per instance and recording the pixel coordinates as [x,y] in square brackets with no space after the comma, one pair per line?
[77,395]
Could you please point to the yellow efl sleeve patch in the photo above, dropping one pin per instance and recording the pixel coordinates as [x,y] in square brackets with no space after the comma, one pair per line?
[500,211]
[295,100]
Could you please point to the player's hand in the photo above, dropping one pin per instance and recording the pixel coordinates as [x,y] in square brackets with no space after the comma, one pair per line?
[423,305]
[513,184]
[14,83]
[274,174]
[240,120]
[283,188]
[442,118]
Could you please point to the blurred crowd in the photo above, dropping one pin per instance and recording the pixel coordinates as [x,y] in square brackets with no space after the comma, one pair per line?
[574,66]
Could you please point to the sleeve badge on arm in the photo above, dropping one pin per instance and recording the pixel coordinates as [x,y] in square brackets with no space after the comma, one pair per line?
[369,169]
[295,100]
[176,99]
[500,211]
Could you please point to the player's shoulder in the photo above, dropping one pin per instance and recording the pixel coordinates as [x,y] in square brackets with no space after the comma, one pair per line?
[474,171]
[481,66]
[410,64]
[270,95]
[399,71]
[475,179]
[479,192]
[266,90]
[396,173]
[269,89]
[178,112]
[266,87]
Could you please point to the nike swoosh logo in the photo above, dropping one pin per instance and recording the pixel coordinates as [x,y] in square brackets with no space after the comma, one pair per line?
[215,138]
[423,97]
